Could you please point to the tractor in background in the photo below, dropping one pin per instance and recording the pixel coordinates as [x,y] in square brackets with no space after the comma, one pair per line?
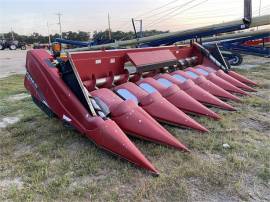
[12,45]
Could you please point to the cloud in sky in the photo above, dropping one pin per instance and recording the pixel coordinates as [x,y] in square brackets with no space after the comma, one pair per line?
[28,16]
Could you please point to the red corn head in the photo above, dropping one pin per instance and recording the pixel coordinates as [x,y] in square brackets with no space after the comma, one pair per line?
[241,78]
[211,87]
[224,84]
[184,101]
[200,94]
[156,105]
[226,77]
[114,140]
[234,81]
[150,84]
[135,121]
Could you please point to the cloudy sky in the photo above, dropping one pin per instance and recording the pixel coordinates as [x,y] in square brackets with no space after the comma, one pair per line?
[28,16]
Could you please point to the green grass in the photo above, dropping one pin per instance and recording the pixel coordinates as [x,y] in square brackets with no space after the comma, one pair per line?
[52,162]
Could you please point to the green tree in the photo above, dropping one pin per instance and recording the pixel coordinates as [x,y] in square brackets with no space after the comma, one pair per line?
[99,37]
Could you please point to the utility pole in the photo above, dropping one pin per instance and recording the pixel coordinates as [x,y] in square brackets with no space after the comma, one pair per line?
[59,23]
[134,27]
[12,34]
[49,35]
[89,33]
[141,32]
[135,31]
[109,25]
[260,6]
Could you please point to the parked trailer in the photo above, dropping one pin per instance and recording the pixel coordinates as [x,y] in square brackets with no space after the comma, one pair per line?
[252,45]
[248,43]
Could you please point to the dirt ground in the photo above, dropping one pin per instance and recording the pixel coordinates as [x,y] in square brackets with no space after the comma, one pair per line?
[12,62]
[41,160]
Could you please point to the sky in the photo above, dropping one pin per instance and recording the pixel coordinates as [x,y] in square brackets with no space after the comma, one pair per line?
[28,16]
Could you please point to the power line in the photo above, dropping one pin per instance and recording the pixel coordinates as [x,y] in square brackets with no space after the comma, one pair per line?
[227,13]
[212,17]
[220,9]
[182,11]
[151,11]
[158,8]
[173,10]
[169,11]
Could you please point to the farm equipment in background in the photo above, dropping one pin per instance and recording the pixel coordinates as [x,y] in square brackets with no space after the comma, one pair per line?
[74,43]
[41,46]
[12,45]
[248,43]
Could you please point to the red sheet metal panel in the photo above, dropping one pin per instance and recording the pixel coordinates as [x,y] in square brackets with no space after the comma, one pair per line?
[105,62]
[152,57]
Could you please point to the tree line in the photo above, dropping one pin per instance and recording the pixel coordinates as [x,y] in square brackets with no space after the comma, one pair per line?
[98,37]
